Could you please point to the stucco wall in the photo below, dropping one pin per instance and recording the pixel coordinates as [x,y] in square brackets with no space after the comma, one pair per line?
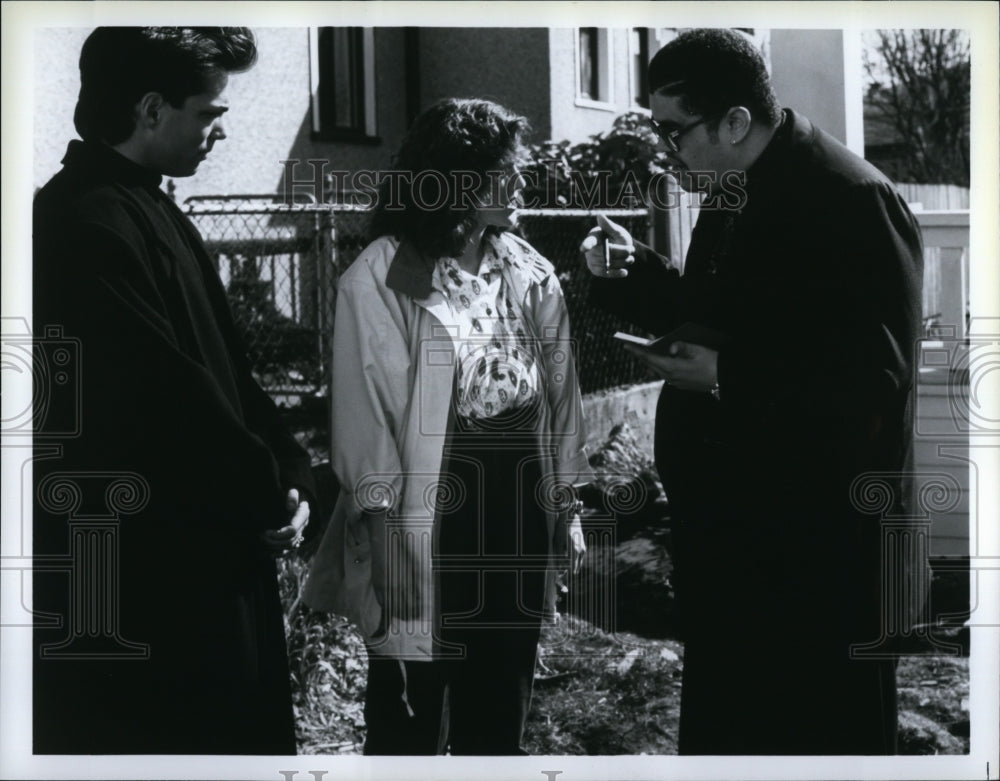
[507,64]
[807,70]
[390,117]
[573,122]
[531,70]
[57,83]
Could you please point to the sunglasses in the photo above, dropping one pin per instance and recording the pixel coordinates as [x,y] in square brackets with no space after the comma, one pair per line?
[671,137]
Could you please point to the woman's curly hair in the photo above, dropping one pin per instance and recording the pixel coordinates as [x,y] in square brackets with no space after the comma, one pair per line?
[455,138]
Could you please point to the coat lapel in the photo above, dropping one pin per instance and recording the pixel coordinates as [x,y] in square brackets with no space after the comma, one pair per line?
[410,274]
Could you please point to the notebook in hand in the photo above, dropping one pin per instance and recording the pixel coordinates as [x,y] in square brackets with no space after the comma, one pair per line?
[693,333]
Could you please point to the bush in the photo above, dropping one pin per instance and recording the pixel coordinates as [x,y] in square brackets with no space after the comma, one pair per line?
[609,170]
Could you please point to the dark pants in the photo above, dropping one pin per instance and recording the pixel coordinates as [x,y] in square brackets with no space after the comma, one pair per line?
[404,707]
[767,665]
[781,700]
[492,546]
[495,542]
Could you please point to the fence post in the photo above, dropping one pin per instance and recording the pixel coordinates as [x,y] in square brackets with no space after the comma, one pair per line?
[326,274]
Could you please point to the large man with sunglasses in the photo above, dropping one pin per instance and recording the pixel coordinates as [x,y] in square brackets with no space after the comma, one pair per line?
[771,440]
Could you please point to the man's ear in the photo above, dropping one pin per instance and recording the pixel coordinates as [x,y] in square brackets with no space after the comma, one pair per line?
[149,110]
[738,121]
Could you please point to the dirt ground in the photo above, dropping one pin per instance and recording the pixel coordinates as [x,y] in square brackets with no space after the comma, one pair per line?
[597,694]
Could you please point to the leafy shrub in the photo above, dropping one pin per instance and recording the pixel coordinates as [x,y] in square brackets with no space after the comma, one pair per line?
[609,170]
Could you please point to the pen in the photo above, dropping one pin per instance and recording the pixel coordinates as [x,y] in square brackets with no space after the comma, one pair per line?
[607,254]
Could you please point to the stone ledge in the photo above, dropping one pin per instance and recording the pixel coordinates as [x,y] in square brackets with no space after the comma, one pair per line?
[633,404]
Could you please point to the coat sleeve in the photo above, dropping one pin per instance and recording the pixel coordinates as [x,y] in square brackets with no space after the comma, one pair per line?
[206,467]
[562,388]
[370,391]
[263,417]
[650,296]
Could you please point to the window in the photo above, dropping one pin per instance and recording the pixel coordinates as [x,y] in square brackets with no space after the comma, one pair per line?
[639,58]
[343,83]
[593,65]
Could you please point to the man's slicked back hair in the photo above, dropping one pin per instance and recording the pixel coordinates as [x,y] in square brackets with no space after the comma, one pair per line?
[712,70]
[118,65]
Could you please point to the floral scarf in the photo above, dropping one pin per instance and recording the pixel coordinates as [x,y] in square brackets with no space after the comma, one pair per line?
[496,370]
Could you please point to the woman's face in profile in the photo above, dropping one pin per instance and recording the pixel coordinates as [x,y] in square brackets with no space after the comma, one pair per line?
[500,197]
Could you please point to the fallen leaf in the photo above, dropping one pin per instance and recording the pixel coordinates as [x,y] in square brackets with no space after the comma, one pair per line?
[626,664]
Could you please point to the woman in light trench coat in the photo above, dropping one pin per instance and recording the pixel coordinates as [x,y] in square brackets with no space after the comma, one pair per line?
[458,438]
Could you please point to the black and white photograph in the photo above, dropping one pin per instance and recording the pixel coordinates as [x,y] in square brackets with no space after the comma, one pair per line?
[500,390]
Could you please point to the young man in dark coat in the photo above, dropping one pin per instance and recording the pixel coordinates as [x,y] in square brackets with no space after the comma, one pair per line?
[777,447]
[177,485]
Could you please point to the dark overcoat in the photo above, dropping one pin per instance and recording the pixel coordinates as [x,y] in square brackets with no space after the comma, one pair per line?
[167,459]
[813,268]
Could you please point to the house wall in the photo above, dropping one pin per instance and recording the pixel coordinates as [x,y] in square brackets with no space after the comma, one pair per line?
[531,70]
[294,138]
[569,119]
[509,65]
[808,74]
[56,78]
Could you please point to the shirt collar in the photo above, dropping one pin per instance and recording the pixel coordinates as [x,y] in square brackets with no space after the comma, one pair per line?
[105,161]
[411,271]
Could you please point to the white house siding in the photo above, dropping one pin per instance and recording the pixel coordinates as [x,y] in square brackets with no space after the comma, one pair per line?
[941,457]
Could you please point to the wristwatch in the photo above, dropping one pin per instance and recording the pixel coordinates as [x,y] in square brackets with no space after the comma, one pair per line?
[716,392]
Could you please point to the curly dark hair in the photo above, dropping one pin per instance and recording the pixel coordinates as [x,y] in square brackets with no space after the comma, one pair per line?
[454,137]
[713,70]
[118,65]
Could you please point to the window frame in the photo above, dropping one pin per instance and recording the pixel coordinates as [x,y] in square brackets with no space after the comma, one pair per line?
[648,34]
[605,70]
[365,131]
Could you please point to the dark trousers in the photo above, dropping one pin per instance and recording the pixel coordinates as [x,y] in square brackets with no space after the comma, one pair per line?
[492,546]
[405,707]
[783,699]
[492,587]
[767,647]
[490,692]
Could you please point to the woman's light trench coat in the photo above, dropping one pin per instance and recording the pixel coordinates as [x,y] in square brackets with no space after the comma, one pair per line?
[393,373]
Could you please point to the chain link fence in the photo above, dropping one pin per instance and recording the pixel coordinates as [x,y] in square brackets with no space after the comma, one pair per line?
[280,264]
[556,233]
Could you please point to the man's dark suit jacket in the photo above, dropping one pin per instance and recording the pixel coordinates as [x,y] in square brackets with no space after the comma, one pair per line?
[168,404]
[816,277]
